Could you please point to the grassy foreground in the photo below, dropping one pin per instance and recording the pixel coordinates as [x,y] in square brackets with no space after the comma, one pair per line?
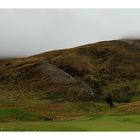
[97,123]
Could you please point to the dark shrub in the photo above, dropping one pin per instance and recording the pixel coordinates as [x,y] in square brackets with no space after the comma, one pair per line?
[122,94]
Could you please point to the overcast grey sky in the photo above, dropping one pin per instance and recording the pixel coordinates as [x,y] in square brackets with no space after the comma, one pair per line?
[26,32]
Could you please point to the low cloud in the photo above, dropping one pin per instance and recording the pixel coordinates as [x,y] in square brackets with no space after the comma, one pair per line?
[27,32]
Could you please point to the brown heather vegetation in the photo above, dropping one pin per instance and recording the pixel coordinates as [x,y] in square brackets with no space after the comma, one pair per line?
[63,77]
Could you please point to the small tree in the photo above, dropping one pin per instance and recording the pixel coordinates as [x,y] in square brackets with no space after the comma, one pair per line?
[123,94]
[109,100]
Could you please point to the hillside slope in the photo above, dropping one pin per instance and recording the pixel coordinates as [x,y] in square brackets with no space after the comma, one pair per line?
[84,73]
[38,76]
[71,83]
[100,64]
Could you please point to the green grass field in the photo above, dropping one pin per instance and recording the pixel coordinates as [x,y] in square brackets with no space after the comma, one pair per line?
[97,123]
[34,115]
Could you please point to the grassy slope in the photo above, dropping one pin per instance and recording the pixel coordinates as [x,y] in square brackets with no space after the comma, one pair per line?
[98,123]
[13,114]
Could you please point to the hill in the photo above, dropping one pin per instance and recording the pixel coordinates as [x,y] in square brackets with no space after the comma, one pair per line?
[86,73]
[100,65]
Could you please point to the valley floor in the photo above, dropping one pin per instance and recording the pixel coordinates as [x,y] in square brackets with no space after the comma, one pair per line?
[31,114]
[96,123]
